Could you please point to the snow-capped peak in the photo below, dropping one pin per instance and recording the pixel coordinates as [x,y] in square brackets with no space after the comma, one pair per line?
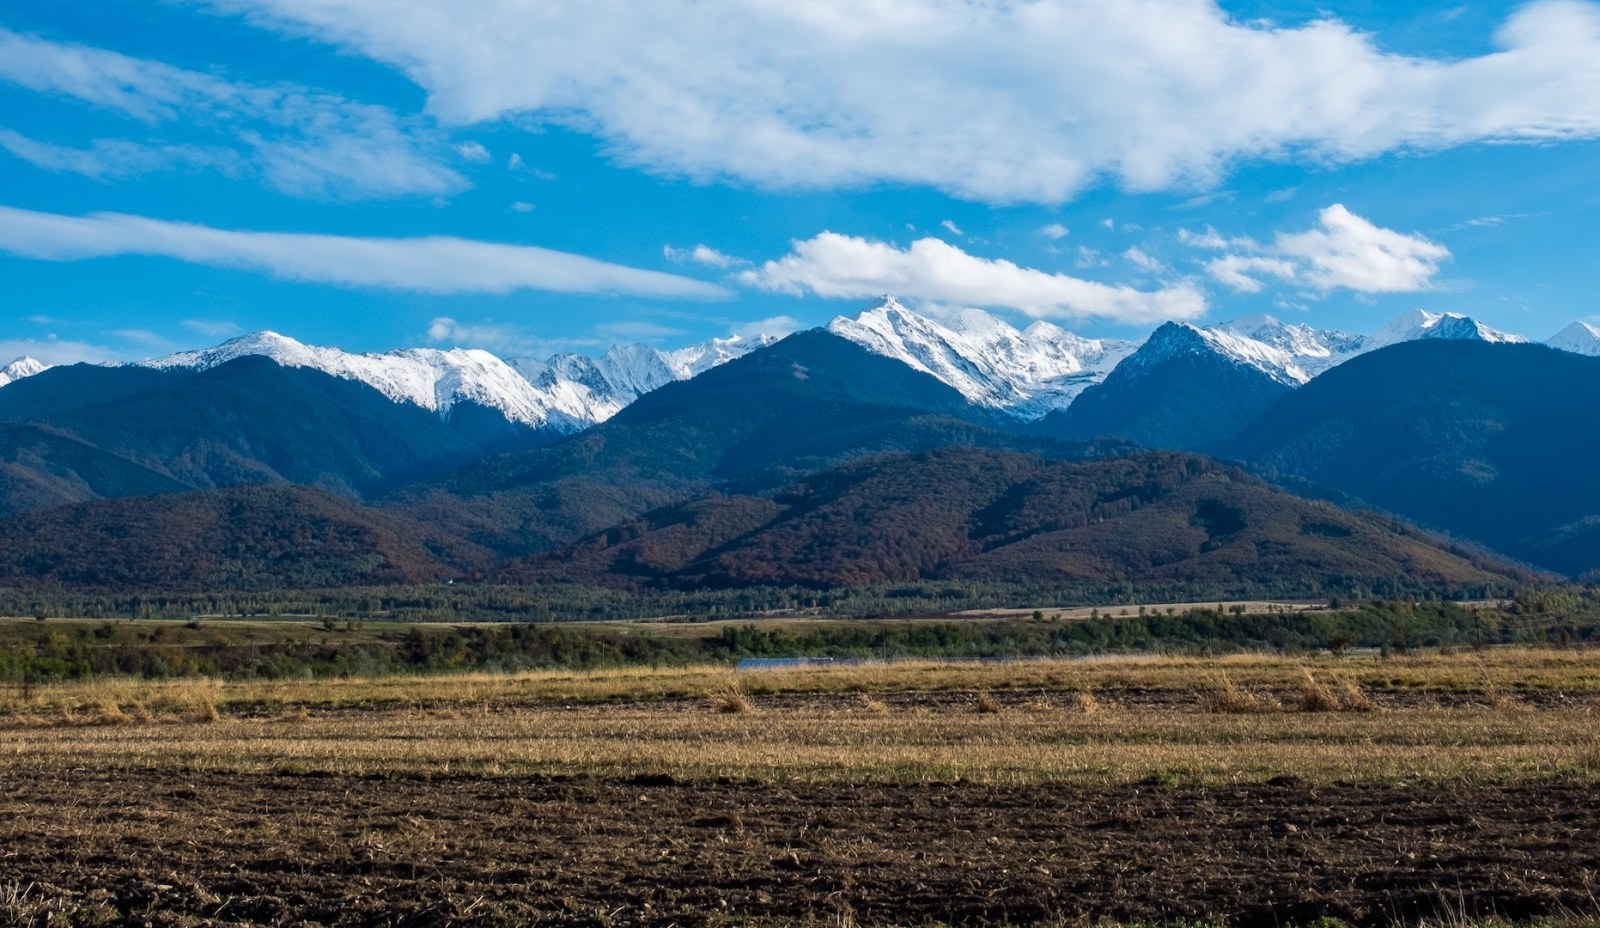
[566,393]
[1579,337]
[435,379]
[1027,373]
[1178,338]
[1419,324]
[1311,350]
[695,359]
[20,368]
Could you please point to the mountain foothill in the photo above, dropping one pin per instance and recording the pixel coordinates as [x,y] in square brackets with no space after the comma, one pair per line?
[1436,455]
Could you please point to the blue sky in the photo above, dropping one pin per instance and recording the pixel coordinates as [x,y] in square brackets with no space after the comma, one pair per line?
[545,176]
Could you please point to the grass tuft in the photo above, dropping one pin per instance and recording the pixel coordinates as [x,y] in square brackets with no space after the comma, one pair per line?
[988,704]
[203,712]
[732,701]
[1227,698]
[876,706]
[1083,702]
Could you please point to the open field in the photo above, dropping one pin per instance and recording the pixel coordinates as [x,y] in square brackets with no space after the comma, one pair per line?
[1239,606]
[1253,790]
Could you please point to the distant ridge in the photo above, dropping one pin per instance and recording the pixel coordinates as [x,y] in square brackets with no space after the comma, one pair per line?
[563,395]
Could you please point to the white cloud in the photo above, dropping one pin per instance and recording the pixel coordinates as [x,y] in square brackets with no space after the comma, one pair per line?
[1143,260]
[1344,251]
[952,228]
[52,350]
[303,142]
[1236,270]
[515,163]
[990,101]
[841,266]
[522,207]
[436,264]
[474,152]
[146,339]
[1214,240]
[1091,257]
[508,341]
[213,328]
[1054,231]
[702,254]
[106,159]
[636,330]
[775,325]
[1348,251]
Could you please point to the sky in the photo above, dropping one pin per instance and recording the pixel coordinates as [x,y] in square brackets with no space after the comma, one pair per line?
[538,176]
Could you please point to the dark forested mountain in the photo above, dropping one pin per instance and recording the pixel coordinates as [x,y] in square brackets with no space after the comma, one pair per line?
[1496,443]
[78,433]
[1182,389]
[815,462]
[963,513]
[239,538]
[802,405]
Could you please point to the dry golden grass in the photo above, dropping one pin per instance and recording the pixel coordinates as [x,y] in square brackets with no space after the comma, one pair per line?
[1077,722]
[1508,675]
[840,743]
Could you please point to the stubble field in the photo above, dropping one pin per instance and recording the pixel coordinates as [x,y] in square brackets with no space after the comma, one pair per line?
[1247,790]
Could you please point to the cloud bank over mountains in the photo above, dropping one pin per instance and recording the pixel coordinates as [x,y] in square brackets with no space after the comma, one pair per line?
[834,265]
[996,102]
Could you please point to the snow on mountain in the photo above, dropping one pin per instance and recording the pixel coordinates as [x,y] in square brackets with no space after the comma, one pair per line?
[1176,338]
[1294,353]
[20,368]
[566,393]
[1419,324]
[695,359]
[1579,338]
[1026,373]
[590,390]
[1310,351]
[432,378]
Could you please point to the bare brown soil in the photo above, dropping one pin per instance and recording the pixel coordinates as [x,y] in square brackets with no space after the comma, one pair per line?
[145,847]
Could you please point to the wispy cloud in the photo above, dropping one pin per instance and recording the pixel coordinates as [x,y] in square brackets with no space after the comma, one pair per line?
[213,328]
[474,152]
[834,265]
[52,350]
[1344,251]
[775,325]
[146,339]
[988,101]
[637,330]
[301,141]
[508,341]
[436,264]
[107,159]
[702,254]
[1144,261]
[1054,231]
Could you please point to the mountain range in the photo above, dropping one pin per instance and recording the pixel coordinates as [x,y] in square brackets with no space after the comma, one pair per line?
[747,459]
[1025,374]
